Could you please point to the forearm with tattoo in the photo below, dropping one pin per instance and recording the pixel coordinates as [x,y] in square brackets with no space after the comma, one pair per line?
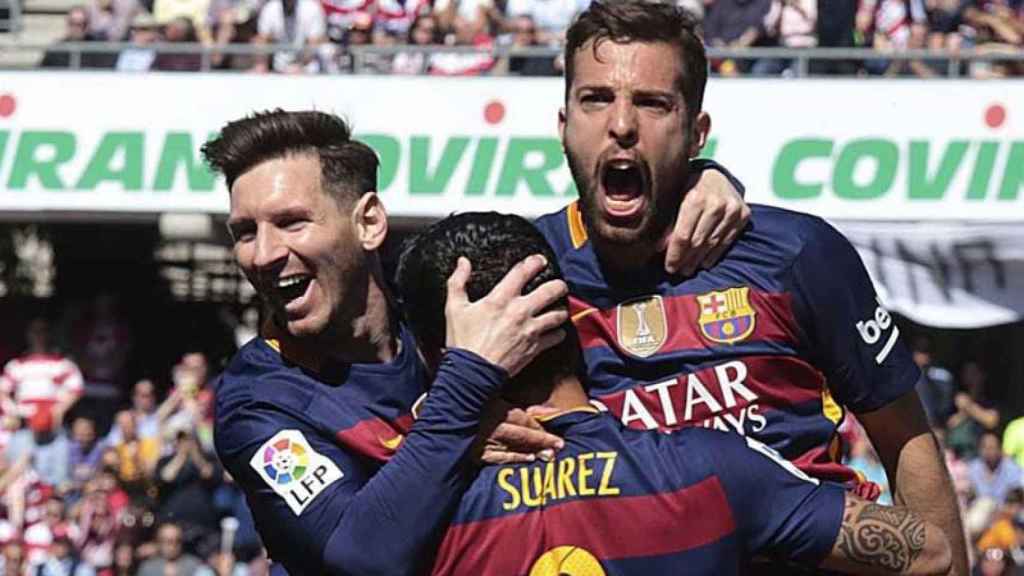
[881,536]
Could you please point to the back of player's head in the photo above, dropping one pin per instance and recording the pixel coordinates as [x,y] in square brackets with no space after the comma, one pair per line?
[648,21]
[493,243]
[348,168]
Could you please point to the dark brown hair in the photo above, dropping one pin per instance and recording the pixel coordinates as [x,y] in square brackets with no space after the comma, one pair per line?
[348,168]
[649,21]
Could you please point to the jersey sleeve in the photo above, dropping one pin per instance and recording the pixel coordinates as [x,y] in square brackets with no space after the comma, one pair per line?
[323,511]
[779,511]
[853,339]
[702,164]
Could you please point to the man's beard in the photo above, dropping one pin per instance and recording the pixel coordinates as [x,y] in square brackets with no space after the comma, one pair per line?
[654,223]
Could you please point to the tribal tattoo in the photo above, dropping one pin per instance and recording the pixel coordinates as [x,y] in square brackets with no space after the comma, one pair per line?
[881,536]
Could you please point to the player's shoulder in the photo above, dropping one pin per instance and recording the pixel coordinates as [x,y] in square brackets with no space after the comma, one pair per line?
[558,229]
[791,234]
[257,394]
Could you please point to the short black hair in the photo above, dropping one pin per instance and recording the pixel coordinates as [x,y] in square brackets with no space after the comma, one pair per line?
[493,243]
[348,168]
[626,21]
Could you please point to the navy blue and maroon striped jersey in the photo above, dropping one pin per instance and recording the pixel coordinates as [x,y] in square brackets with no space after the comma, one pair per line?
[617,501]
[775,341]
[315,453]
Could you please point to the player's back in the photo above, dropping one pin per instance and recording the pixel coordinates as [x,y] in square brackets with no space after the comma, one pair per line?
[621,502]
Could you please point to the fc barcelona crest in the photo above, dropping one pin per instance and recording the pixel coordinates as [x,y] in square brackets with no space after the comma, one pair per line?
[726,316]
[641,325]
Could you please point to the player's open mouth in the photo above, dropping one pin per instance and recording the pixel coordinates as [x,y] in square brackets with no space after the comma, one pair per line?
[624,184]
[291,288]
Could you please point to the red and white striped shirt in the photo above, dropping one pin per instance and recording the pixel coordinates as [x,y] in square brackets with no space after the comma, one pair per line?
[36,380]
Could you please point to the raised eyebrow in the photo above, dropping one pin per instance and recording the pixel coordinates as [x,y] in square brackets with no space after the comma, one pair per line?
[594,88]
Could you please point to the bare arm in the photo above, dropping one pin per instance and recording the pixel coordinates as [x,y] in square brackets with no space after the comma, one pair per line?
[916,469]
[876,539]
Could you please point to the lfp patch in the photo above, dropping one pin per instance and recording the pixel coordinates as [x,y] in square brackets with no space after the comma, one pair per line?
[726,316]
[293,469]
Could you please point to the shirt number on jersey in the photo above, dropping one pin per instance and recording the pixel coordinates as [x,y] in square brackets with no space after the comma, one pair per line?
[567,561]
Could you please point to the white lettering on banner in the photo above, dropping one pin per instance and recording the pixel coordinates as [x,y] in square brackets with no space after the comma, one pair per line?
[479,148]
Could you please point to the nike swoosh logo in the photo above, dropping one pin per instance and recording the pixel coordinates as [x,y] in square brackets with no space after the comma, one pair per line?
[393,443]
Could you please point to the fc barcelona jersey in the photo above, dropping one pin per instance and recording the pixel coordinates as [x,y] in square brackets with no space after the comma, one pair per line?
[774,342]
[617,501]
[317,454]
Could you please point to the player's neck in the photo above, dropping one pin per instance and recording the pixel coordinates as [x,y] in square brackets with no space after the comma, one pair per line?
[566,394]
[371,336]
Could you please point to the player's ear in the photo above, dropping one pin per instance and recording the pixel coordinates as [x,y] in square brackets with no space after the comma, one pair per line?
[700,129]
[370,220]
[561,125]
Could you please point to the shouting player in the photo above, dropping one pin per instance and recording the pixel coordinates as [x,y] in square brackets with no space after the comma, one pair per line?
[621,501]
[778,339]
[310,417]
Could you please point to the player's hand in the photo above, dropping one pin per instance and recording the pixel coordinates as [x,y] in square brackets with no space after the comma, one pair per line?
[510,435]
[711,217]
[507,328]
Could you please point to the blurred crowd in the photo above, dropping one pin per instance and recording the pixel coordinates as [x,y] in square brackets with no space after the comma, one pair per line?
[984,451]
[320,34]
[104,472]
[100,478]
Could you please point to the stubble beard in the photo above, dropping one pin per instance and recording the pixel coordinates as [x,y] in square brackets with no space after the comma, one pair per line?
[635,244]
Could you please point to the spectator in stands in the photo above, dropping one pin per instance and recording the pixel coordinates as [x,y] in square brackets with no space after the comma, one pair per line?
[13,560]
[936,385]
[194,409]
[551,17]
[149,418]
[125,561]
[136,457]
[423,32]
[186,479]
[85,450]
[524,35]
[467,33]
[171,558]
[96,521]
[1002,533]
[140,57]
[836,29]
[41,379]
[179,30]
[45,447]
[298,23]
[63,560]
[993,475]
[482,13]
[894,26]
[196,11]
[110,19]
[790,24]
[102,338]
[76,29]
[1013,440]
[396,17]
[974,413]
[735,24]
[342,13]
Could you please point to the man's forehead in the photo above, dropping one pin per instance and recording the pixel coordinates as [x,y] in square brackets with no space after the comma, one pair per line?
[649,63]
